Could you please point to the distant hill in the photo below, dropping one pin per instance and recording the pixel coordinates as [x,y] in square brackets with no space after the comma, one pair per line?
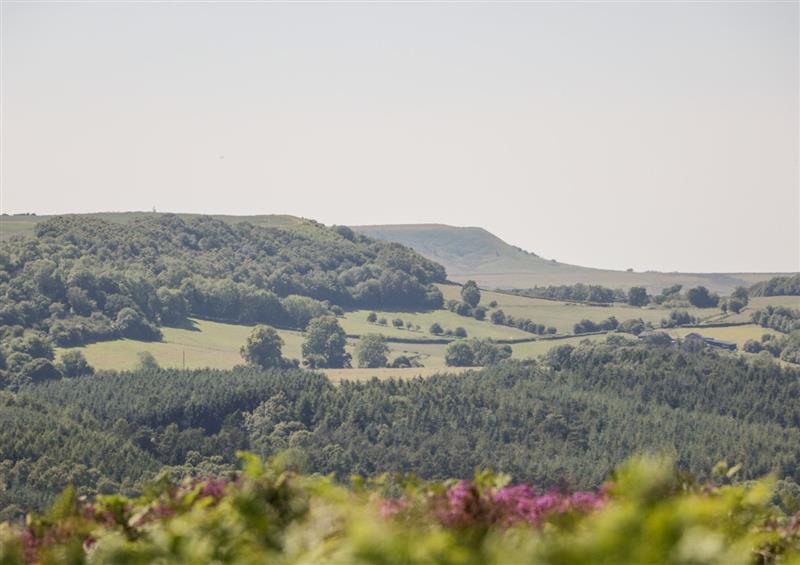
[24,224]
[474,253]
[466,253]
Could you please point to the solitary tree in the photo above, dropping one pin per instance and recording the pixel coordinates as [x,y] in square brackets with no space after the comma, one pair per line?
[147,362]
[470,293]
[372,351]
[263,347]
[372,317]
[325,344]
[459,354]
[436,329]
[741,293]
[700,297]
[637,296]
[739,299]
[498,317]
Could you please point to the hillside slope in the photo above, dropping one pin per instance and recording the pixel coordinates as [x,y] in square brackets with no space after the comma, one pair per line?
[474,253]
[26,224]
[465,252]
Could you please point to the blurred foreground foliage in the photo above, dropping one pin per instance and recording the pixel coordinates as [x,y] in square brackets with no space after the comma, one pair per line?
[269,513]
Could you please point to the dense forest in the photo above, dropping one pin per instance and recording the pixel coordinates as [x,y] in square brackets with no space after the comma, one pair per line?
[777,286]
[567,420]
[83,279]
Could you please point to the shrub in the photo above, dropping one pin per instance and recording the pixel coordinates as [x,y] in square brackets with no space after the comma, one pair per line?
[498,317]
[147,362]
[372,351]
[752,346]
[470,293]
[74,364]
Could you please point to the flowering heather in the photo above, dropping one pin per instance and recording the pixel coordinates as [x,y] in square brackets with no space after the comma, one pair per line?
[269,514]
[466,504]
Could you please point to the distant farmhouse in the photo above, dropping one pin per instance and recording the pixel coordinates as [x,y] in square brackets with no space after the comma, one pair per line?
[713,342]
[710,341]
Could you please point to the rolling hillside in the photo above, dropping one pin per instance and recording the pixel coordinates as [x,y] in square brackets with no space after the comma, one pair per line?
[474,253]
[26,224]
[465,252]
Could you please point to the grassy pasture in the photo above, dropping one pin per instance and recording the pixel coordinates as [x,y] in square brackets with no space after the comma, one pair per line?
[207,344]
[216,345]
[355,323]
[564,315]
[758,302]
[736,334]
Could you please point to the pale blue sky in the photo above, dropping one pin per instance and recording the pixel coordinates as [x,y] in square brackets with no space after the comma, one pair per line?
[645,135]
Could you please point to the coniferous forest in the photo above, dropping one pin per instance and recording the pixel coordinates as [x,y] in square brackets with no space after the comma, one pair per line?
[564,422]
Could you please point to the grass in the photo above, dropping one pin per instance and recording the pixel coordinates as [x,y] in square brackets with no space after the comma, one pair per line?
[208,344]
[355,323]
[216,345]
[762,302]
[736,334]
[564,315]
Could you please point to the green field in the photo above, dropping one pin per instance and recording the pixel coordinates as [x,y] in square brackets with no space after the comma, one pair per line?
[737,334]
[355,323]
[762,302]
[216,345]
[564,315]
[208,344]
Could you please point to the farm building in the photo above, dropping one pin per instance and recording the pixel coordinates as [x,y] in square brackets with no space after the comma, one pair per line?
[713,342]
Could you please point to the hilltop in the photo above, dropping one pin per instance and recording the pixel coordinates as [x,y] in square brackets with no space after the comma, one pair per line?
[465,253]
[474,253]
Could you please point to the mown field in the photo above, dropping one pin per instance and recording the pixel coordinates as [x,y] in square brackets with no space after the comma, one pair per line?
[737,334]
[564,315]
[355,323]
[216,345]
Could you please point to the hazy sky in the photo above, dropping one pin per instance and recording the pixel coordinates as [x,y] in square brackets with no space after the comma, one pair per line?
[641,135]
